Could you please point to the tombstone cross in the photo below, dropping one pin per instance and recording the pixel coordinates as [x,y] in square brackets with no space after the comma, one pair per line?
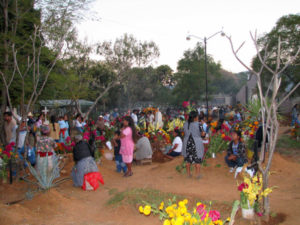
[45,111]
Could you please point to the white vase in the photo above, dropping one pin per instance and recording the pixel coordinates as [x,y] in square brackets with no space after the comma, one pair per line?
[248,213]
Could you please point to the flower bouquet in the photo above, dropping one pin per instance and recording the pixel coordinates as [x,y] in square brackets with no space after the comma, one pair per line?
[5,155]
[218,143]
[251,192]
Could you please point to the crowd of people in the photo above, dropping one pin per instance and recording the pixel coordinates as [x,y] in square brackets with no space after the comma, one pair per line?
[128,142]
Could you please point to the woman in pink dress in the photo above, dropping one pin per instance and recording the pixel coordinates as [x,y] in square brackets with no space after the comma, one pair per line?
[128,137]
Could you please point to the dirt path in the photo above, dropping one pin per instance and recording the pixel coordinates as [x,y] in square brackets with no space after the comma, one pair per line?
[69,205]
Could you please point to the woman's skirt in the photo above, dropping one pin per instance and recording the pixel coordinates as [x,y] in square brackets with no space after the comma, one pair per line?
[191,153]
[84,166]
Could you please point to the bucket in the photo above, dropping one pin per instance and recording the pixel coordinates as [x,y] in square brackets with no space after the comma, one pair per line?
[248,213]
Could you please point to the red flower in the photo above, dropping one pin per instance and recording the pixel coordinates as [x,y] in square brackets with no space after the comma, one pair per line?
[242,186]
[73,144]
[227,138]
[93,122]
[185,104]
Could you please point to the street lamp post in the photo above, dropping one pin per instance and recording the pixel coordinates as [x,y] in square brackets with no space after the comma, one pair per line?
[205,62]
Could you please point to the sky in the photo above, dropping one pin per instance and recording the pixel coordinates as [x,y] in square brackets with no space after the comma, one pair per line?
[168,22]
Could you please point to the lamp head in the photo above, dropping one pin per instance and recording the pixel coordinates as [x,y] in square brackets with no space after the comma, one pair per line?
[188,38]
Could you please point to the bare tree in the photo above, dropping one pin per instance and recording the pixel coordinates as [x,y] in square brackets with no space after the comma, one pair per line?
[269,104]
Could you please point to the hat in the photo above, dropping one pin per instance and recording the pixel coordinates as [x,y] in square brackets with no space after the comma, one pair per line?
[45,129]
[30,114]
[214,108]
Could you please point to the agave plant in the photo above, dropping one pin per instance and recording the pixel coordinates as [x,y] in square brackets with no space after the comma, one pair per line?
[44,176]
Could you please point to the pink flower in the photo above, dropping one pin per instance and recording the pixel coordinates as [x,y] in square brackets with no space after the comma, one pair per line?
[214,215]
[86,134]
[102,138]
[201,211]
[94,132]
[86,138]
[68,139]
[93,122]
[12,144]
[259,214]
[73,144]
[185,104]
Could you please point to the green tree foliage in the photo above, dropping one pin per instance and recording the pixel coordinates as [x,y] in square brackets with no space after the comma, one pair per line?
[190,78]
[287,29]
[18,19]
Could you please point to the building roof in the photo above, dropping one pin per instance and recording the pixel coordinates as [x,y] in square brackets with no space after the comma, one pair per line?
[64,102]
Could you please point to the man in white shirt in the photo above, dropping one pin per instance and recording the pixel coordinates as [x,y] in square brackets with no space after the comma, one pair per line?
[134,116]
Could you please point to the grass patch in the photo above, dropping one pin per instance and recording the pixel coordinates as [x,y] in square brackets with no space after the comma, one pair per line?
[112,191]
[285,141]
[137,196]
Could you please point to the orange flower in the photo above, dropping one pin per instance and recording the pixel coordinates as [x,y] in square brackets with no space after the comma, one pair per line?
[256,123]
[250,125]
[223,135]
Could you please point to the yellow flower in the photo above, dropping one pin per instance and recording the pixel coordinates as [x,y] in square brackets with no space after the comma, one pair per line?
[161,206]
[167,222]
[179,220]
[266,192]
[228,219]
[147,210]
[218,222]
[181,204]
[185,201]
[141,209]
[187,217]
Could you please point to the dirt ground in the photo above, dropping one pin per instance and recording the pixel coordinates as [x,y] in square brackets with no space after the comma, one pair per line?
[69,205]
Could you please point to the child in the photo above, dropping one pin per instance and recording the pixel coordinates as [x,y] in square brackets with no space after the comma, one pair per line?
[236,153]
[118,157]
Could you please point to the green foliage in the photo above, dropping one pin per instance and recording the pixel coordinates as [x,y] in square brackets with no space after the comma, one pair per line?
[190,77]
[216,145]
[138,196]
[287,29]
[45,176]
[286,142]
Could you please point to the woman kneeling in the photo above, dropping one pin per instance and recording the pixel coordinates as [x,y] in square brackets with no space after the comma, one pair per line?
[84,161]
